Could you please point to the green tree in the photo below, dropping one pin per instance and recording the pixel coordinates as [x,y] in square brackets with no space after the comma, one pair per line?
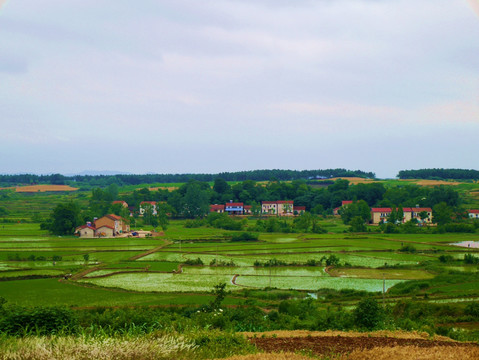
[368,314]
[163,211]
[359,208]
[357,224]
[195,202]
[442,214]
[64,219]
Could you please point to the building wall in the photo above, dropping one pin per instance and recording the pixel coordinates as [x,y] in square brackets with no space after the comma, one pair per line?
[87,233]
[104,232]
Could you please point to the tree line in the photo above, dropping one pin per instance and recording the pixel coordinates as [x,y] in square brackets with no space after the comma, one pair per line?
[439,174]
[130,179]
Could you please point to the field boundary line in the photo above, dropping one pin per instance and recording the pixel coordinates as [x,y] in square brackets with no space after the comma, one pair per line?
[149,252]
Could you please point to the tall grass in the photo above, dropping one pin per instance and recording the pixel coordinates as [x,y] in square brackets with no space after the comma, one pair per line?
[86,348]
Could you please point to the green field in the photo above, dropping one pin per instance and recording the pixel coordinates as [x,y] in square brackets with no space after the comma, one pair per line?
[161,274]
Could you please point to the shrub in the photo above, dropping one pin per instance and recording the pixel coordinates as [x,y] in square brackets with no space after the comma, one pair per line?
[38,320]
[368,314]
[244,236]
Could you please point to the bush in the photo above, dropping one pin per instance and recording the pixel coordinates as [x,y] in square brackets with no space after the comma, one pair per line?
[459,228]
[244,236]
[368,314]
[38,320]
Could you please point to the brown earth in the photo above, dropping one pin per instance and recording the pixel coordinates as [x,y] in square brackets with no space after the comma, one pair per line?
[43,188]
[433,182]
[328,345]
[169,188]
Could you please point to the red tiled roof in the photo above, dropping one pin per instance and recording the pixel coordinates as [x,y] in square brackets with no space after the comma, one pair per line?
[217,207]
[346,202]
[421,209]
[247,207]
[113,217]
[84,227]
[473,211]
[300,208]
[148,202]
[381,210]
[234,204]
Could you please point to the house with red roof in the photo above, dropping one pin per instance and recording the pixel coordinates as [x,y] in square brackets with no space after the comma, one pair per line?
[343,204]
[279,208]
[299,210]
[121,202]
[473,214]
[117,223]
[381,215]
[145,204]
[86,231]
[217,208]
[234,208]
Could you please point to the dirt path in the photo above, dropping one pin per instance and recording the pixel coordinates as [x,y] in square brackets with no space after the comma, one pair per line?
[151,251]
[325,345]
[85,272]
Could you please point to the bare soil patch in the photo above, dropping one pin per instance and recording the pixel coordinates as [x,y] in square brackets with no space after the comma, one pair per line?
[44,188]
[328,345]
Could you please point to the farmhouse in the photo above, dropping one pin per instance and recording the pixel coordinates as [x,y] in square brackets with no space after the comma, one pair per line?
[381,215]
[280,208]
[299,210]
[114,221]
[217,208]
[232,208]
[343,203]
[105,231]
[121,202]
[145,204]
[86,231]
[473,214]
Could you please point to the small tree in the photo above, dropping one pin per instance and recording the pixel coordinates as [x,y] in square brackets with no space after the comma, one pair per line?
[368,314]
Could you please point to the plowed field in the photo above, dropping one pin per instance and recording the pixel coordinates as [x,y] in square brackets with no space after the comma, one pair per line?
[327,345]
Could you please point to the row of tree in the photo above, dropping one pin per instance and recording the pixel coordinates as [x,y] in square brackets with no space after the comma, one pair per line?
[442,174]
[130,179]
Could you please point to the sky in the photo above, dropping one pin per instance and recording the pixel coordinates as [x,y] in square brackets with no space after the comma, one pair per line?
[187,86]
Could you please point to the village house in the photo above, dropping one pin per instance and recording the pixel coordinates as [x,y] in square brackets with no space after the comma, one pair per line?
[121,202]
[116,222]
[105,231]
[232,208]
[473,214]
[217,208]
[381,215]
[299,210]
[343,203]
[86,231]
[145,204]
[247,209]
[280,208]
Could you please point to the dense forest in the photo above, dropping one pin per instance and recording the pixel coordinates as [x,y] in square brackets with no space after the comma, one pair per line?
[439,174]
[121,180]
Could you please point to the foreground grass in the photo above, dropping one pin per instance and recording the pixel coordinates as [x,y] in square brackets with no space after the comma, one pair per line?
[157,346]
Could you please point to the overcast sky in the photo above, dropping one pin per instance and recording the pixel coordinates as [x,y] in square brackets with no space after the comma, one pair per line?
[175,86]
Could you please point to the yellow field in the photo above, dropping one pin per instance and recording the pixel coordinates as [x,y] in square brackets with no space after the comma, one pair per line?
[44,188]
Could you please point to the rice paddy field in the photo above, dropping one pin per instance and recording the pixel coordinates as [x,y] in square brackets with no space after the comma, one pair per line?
[186,264]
